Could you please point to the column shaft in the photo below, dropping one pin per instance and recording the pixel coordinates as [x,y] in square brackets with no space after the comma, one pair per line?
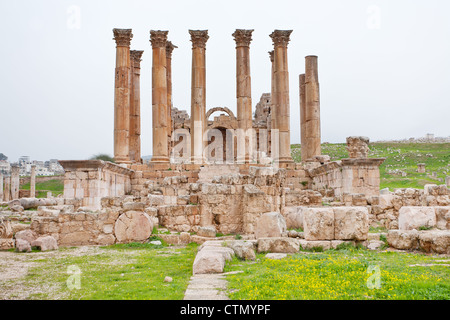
[302,116]
[33,182]
[15,182]
[1,187]
[7,194]
[169,48]
[198,94]
[312,109]
[160,118]
[243,85]
[135,106]
[122,95]
[281,93]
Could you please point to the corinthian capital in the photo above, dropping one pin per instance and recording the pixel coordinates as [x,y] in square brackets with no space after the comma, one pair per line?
[199,38]
[271,53]
[242,37]
[169,48]
[135,57]
[123,37]
[158,38]
[281,37]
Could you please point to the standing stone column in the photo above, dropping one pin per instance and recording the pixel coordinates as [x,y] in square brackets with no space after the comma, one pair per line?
[312,109]
[198,94]
[280,98]
[7,194]
[302,117]
[135,106]
[169,48]
[15,181]
[243,84]
[122,95]
[1,187]
[33,182]
[160,121]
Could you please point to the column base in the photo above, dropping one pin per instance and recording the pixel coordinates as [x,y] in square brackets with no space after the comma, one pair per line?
[123,160]
[160,159]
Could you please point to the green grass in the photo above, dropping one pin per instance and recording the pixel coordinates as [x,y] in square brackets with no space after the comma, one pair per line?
[119,272]
[348,273]
[55,186]
[401,157]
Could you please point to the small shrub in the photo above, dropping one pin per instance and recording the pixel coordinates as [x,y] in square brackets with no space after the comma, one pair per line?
[238,237]
[425,228]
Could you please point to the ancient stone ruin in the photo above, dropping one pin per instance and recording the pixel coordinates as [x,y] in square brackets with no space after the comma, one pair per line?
[230,175]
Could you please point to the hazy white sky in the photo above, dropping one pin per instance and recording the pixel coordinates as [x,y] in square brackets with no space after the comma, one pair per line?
[384,66]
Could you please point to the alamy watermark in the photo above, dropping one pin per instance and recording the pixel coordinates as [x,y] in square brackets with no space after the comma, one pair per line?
[374,280]
[74,280]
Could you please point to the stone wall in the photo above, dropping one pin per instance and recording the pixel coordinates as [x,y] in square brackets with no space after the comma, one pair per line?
[92,180]
[347,176]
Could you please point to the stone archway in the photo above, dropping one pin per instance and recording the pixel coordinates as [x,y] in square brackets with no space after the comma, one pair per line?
[223,109]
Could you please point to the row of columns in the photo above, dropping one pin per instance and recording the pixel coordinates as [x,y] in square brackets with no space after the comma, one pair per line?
[10,186]
[127,93]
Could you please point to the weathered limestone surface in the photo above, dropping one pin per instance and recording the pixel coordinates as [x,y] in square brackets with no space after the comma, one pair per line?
[32,182]
[133,226]
[415,217]
[270,224]
[403,239]
[45,243]
[15,181]
[351,223]
[293,216]
[357,147]
[318,223]
[437,241]
[278,245]
[211,258]
[1,187]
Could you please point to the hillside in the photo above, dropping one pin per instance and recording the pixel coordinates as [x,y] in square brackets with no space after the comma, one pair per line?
[400,157]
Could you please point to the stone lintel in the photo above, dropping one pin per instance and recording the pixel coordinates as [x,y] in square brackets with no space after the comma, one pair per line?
[93,165]
[158,38]
[123,37]
[363,161]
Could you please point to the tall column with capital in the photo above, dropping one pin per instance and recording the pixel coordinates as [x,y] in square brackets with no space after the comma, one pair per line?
[169,48]
[122,95]
[302,116]
[135,106]
[161,120]
[243,84]
[33,182]
[280,98]
[198,94]
[312,109]
[15,181]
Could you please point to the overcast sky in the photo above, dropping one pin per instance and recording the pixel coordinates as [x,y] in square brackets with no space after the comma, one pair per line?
[384,66]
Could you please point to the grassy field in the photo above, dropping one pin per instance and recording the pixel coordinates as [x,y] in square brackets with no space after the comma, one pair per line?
[123,271]
[400,157]
[340,275]
[55,186]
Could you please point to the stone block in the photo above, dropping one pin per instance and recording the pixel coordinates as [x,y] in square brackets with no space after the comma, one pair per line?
[351,223]
[442,217]
[207,231]
[270,224]
[403,239]
[318,223]
[26,235]
[415,217]
[133,206]
[23,245]
[310,245]
[243,249]
[278,245]
[436,241]
[45,243]
[293,216]
[133,226]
